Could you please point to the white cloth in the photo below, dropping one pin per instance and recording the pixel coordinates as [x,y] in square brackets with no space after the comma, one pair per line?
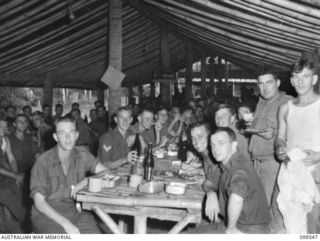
[298,192]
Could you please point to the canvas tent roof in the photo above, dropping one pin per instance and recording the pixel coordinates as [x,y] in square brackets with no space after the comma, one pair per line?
[36,40]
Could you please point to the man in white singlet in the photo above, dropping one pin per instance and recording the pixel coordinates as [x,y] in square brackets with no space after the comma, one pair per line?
[299,127]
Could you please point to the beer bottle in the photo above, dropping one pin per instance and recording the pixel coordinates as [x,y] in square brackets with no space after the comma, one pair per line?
[136,145]
[148,164]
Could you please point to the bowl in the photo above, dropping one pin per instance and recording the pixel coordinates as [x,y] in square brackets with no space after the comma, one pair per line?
[151,187]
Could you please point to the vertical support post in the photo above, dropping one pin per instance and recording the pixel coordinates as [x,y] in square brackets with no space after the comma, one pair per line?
[100,94]
[165,64]
[189,63]
[140,224]
[203,75]
[115,53]
[140,92]
[211,68]
[48,91]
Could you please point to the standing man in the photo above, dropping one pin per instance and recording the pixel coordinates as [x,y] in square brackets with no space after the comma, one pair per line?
[58,112]
[261,145]
[56,177]
[44,132]
[113,147]
[299,127]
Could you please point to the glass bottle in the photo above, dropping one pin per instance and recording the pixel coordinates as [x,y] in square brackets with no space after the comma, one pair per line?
[148,164]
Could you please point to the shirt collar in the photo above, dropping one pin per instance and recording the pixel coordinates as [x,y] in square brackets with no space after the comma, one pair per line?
[234,158]
[56,159]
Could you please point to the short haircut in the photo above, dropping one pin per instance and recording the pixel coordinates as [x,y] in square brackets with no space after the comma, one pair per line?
[226,106]
[266,69]
[26,107]
[200,124]
[98,102]
[45,106]
[229,131]
[76,110]
[38,113]
[146,110]
[65,119]
[124,108]
[75,104]
[102,107]
[9,107]
[244,104]
[58,106]
[161,108]
[18,116]
[308,60]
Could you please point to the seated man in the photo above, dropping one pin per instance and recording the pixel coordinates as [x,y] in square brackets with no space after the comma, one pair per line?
[54,181]
[242,201]
[161,127]
[199,136]
[144,127]
[10,183]
[83,129]
[45,140]
[25,149]
[113,147]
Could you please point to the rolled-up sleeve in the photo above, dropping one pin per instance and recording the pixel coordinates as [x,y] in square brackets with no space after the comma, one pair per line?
[213,174]
[39,179]
[239,184]
[91,162]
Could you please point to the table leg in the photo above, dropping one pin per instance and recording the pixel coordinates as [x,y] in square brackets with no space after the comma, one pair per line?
[181,224]
[123,226]
[140,224]
[106,219]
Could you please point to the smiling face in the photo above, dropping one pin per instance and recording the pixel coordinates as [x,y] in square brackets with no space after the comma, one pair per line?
[146,119]
[21,123]
[162,116]
[224,118]
[123,120]
[199,137]
[304,81]
[222,147]
[66,135]
[268,86]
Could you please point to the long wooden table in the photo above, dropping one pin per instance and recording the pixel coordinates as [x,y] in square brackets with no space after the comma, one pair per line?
[124,200]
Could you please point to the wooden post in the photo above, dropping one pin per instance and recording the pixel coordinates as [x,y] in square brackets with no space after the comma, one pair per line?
[48,91]
[212,84]
[140,92]
[203,75]
[130,92]
[165,64]
[115,53]
[188,80]
[140,224]
[100,94]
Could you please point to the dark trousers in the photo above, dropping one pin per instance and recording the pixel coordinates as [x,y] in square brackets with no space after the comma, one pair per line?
[84,220]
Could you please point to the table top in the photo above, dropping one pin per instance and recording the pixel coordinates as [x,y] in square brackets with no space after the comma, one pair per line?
[124,195]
